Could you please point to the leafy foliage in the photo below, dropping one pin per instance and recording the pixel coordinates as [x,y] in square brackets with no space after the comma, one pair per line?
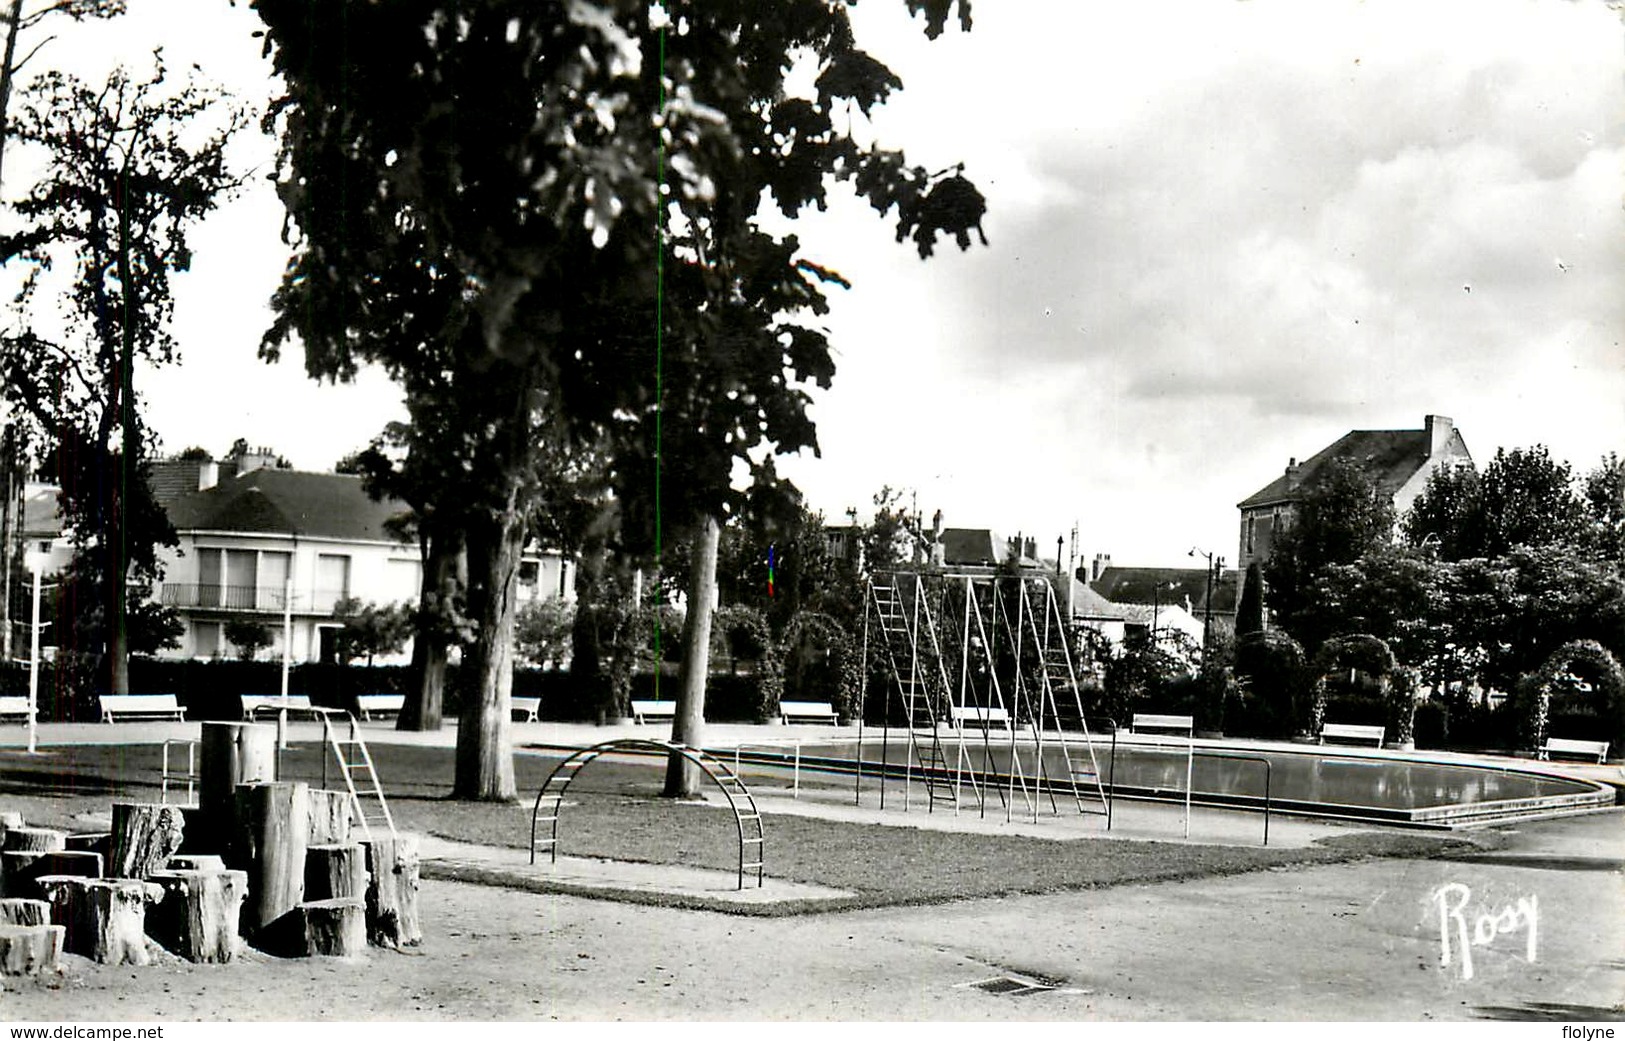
[130,166]
[541,632]
[370,630]
[249,637]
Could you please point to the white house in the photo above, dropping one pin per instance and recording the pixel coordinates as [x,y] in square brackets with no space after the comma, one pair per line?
[282,547]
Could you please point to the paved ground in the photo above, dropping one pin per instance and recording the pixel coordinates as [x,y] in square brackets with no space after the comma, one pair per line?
[1358,941]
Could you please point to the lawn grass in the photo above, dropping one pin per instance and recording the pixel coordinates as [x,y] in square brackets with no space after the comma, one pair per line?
[614,811]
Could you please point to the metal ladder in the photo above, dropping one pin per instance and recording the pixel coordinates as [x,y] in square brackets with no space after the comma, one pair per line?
[1058,675]
[352,756]
[924,735]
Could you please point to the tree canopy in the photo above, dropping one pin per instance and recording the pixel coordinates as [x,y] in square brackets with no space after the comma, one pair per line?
[541,218]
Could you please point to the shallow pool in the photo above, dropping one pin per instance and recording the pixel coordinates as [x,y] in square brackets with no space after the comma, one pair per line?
[1329,781]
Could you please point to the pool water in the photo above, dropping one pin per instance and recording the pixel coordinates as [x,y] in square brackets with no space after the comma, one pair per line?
[1327,781]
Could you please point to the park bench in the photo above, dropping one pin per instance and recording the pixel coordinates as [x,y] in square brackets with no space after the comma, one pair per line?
[15,705]
[984,717]
[1151,721]
[255,704]
[643,711]
[379,704]
[1570,746]
[141,706]
[816,711]
[1352,732]
[531,707]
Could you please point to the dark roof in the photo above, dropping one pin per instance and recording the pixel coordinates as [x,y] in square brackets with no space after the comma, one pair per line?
[288,502]
[1167,585]
[1392,456]
[972,546]
[170,479]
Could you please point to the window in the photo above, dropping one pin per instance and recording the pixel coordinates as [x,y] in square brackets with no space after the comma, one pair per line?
[332,578]
[206,639]
[1251,533]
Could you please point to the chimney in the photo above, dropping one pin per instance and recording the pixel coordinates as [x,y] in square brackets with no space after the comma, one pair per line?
[1439,430]
[1292,469]
[208,473]
[258,459]
[1101,563]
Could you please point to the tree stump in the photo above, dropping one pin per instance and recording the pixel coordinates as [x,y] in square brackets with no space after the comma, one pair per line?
[45,840]
[28,950]
[336,870]
[105,917]
[199,913]
[392,891]
[336,928]
[21,870]
[230,754]
[273,821]
[20,911]
[331,815]
[91,842]
[144,837]
[195,862]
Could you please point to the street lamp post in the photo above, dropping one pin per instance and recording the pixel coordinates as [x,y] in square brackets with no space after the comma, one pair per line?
[1213,566]
[36,563]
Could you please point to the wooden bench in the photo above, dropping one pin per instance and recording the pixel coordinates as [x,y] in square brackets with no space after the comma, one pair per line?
[531,707]
[1352,732]
[814,711]
[1150,721]
[1570,746]
[254,704]
[643,711]
[141,706]
[978,716]
[379,704]
[15,705]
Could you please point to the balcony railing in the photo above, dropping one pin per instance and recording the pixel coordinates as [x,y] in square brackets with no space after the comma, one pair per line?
[247,598]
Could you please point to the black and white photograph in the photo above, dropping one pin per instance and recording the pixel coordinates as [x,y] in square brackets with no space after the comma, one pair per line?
[812,512]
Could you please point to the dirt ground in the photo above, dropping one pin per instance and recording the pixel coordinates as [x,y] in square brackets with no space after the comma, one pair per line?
[1357,941]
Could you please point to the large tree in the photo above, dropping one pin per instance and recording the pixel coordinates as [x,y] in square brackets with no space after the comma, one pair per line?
[20,20]
[131,165]
[543,214]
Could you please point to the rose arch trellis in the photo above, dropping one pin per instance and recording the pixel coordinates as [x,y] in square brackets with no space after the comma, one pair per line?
[1593,662]
[1371,655]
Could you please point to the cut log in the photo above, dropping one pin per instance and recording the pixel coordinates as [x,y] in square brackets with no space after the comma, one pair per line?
[19,911]
[195,862]
[392,891]
[42,839]
[145,835]
[231,754]
[331,815]
[9,819]
[334,928]
[199,913]
[105,917]
[91,842]
[29,950]
[21,870]
[335,870]
[273,821]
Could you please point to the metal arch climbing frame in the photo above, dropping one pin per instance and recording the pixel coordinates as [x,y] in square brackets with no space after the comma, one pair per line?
[739,798]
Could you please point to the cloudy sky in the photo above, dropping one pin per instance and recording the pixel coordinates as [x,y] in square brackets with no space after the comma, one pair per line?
[1221,235]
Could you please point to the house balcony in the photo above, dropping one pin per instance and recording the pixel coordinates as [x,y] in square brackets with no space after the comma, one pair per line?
[247,599]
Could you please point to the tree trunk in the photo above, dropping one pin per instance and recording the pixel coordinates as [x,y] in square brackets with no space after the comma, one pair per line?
[484,768]
[106,918]
[682,779]
[10,487]
[331,815]
[335,870]
[198,916]
[21,871]
[443,570]
[392,891]
[336,928]
[30,950]
[273,822]
[20,911]
[232,754]
[143,838]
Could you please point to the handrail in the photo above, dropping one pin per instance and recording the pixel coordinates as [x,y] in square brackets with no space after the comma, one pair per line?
[1269,771]
[795,775]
